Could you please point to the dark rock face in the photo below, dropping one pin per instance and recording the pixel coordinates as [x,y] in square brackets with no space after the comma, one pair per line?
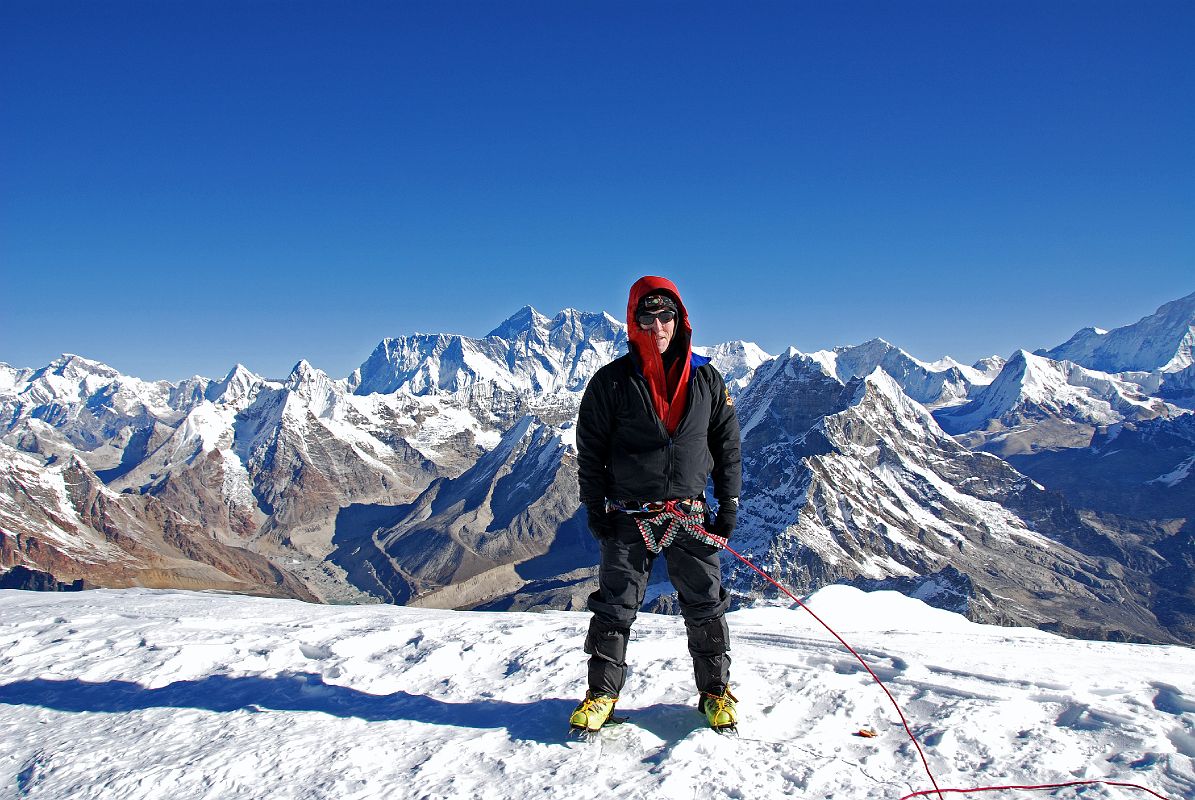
[506,522]
[37,581]
[1174,602]
[73,527]
[1136,487]
[874,493]
[1144,469]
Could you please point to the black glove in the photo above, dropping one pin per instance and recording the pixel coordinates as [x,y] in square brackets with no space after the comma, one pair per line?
[728,513]
[601,523]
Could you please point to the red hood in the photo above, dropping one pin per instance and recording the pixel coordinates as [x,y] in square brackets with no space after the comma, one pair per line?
[640,340]
[670,392]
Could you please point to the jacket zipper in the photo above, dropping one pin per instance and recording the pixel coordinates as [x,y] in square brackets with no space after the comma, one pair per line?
[668,474]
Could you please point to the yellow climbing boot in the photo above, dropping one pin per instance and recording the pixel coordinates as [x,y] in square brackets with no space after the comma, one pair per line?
[592,713]
[719,709]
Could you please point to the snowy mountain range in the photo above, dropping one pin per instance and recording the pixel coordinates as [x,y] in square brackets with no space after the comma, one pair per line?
[865,488]
[1035,403]
[442,472]
[1161,343]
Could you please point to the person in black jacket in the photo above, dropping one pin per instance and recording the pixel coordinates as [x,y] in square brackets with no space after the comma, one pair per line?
[654,427]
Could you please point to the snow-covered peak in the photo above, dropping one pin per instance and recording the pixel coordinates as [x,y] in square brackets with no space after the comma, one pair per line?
[569,323]
[1045,388]
[528,353]
[1044,380]
[944,382]
[944,363]
[523,320]
[68,378]
[789,369]
[74,367]
[1037,378]
[787,395]
[1162,341]
[750,352]
[301,373]
[319,392]
[828,360]
[71,382]
[737,361]
[884,383]
[238,387]
[570,328]
[10,376]
[875,348]
[988,368]
[802,366]
[881,401]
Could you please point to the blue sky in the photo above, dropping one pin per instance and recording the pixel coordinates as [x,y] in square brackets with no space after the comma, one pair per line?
[188,185]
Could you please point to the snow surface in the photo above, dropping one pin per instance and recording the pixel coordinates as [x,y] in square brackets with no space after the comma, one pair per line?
[165,694]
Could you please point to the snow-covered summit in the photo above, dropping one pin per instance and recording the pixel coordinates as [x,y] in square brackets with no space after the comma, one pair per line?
[529,354]
[1161,341]
[737,361]
[524,320]
[10,376]
[210,696]
[238,388]
[944,382]
[71,379]
[1032,390]
[526,353]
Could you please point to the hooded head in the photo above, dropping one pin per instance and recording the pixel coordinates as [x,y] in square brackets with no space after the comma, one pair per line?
[652,293]
[669,388]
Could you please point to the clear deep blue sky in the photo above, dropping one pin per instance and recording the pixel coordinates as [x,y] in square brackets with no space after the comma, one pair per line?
[186,185]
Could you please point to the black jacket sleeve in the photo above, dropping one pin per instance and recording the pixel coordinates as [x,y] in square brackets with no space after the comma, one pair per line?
[724,443]
[595,432]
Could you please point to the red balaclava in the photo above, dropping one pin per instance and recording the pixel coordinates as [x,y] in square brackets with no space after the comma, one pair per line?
[670,392]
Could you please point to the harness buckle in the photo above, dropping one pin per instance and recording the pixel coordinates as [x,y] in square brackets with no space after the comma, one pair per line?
[650,508]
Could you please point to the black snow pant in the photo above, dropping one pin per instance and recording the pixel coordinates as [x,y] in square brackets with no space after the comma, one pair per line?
[695,571]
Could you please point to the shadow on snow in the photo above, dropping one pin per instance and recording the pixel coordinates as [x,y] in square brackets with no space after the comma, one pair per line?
[542,721]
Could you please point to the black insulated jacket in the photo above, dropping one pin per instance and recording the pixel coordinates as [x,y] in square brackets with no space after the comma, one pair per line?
[625,453]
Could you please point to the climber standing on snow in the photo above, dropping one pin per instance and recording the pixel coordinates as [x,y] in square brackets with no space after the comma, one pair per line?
[654,425]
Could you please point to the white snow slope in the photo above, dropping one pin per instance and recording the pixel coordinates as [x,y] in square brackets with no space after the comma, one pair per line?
[164,694]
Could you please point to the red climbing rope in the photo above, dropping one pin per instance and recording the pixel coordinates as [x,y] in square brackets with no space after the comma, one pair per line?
[1042,786]
[924,762]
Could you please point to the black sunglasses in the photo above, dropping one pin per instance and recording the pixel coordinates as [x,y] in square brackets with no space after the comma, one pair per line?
[645,319]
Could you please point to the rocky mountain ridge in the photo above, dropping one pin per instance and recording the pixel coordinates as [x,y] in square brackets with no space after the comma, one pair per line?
[442,472]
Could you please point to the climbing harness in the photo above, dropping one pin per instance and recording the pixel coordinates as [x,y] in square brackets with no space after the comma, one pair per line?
[661,521]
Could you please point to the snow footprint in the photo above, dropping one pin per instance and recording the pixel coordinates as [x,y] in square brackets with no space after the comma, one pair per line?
[32,773]
[1171,700]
